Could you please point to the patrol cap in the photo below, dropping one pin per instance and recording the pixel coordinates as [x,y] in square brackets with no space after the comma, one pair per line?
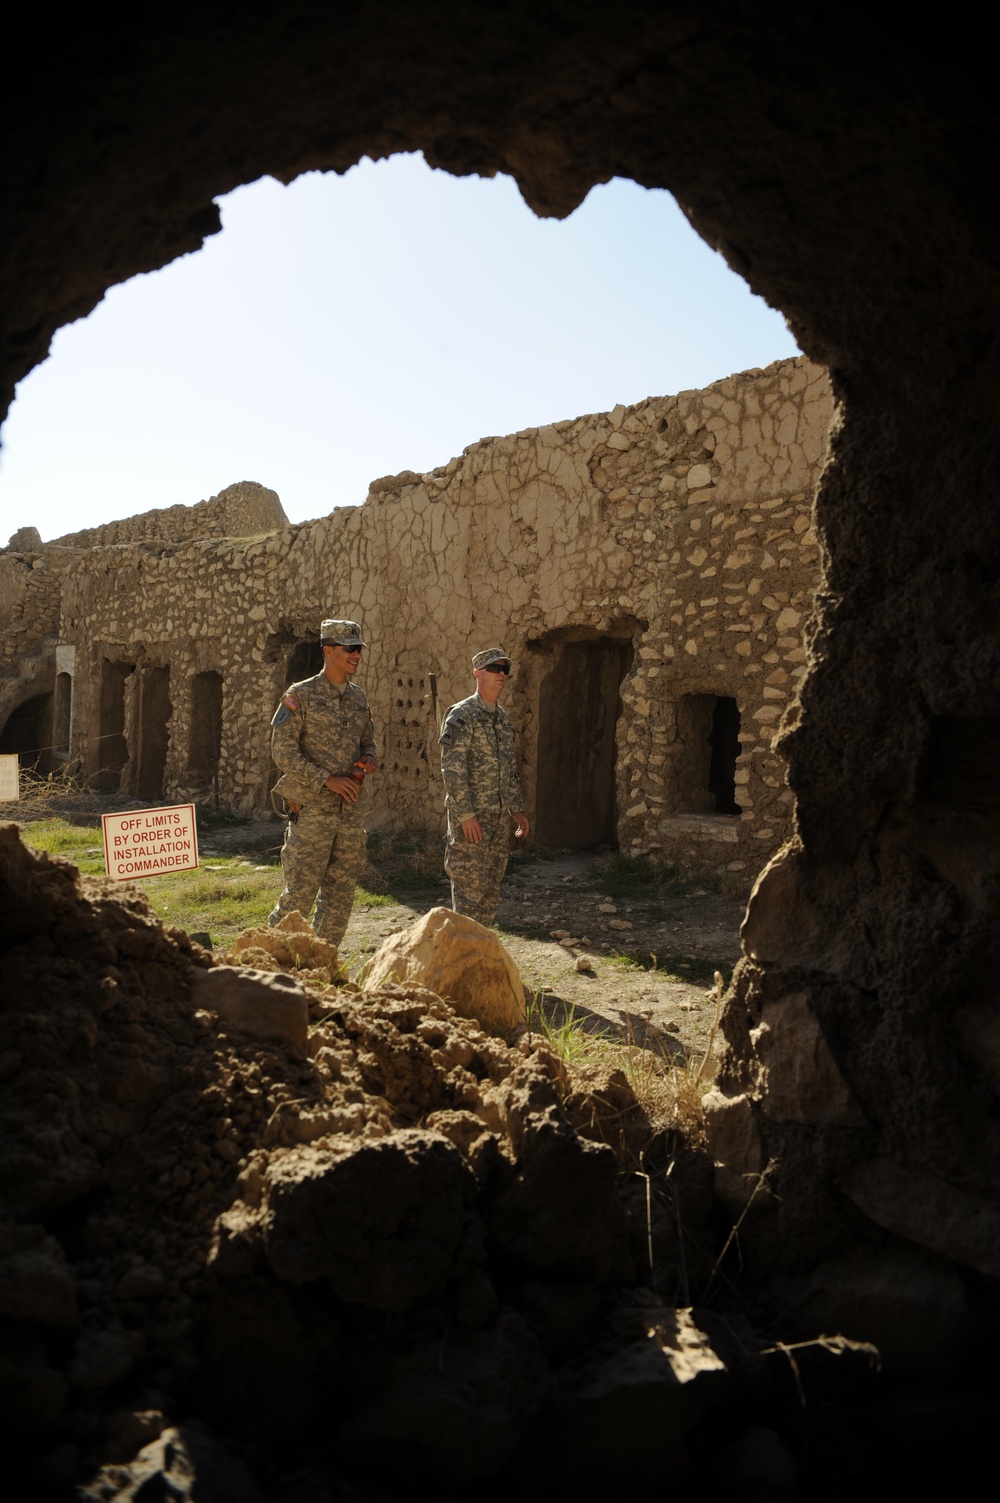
[341,634]
[490,655]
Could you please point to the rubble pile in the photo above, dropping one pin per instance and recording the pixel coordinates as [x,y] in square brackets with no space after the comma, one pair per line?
[292,945]
[384,1245]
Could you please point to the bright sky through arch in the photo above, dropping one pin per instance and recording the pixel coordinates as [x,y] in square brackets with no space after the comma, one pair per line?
[344,328]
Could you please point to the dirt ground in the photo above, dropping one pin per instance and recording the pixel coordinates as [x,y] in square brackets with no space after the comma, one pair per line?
[651,960]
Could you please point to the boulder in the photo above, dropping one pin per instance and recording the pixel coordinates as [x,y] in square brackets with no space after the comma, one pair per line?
[653,1377]
[458,959]
[385,1222]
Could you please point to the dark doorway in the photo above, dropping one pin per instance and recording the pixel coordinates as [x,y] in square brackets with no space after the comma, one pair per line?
[112,748]
[28,732]
[304,661]
[154,711]
[205,745]
[578,707]
[708,735]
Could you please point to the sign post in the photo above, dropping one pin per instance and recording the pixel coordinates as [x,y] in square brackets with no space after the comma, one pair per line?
[150,842]
[9,782]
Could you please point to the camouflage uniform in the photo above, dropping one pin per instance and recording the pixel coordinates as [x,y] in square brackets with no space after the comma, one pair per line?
[480,778]
[319,733]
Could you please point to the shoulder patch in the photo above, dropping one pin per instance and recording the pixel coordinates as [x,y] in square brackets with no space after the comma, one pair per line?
[289,702]
[452,723]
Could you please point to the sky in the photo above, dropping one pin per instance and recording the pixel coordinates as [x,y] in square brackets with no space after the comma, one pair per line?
[348,327]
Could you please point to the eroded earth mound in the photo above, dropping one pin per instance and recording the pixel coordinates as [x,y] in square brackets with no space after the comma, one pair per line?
[259,1242]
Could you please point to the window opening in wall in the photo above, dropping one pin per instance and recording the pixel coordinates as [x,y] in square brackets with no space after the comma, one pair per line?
[708,736]
[62,701]
[112,748]
[725,743]
[579,704]
[152,734]
[205,745]
[304,661]
[28,732]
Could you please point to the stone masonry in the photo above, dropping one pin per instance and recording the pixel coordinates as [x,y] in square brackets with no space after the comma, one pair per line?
[651,570]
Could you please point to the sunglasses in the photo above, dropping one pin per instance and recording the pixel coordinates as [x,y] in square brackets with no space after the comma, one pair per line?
[346,648]
[497,668]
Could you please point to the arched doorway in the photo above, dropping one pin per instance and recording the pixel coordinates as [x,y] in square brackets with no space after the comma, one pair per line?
[28,733]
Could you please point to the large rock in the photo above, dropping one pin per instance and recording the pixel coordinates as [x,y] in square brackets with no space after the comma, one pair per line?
[386,1222]
[262,1004]
[653,1377]
[461,961]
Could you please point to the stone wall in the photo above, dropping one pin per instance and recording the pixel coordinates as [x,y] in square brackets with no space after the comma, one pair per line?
[241,510]
[666,548]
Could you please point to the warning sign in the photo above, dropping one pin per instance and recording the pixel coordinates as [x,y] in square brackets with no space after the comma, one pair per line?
[150,842]
[8,778]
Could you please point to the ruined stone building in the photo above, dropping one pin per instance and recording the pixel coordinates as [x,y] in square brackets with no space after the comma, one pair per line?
[650,569]
[843,170]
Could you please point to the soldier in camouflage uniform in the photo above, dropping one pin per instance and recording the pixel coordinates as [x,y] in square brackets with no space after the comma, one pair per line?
[323,740]
[482,790]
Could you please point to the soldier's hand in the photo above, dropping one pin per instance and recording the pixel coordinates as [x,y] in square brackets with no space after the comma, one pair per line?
[472,830]
[346,787]
[521,826]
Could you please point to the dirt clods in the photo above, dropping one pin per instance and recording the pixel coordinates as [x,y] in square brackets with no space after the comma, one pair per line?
[246,1222]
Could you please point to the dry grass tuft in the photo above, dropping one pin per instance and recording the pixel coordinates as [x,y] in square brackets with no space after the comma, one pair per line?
[666,1087]
[60,795]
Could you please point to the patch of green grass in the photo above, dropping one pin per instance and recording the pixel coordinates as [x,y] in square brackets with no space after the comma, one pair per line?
[222,902]
[625,961]
[230,897]
[364,899]
[80,841]
[670,964]
[567,1035]
[667,1088]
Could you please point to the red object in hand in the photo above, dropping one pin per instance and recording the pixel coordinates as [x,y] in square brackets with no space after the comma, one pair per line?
[358,772]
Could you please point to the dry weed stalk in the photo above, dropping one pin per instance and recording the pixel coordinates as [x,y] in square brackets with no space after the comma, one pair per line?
[716,992]
[760,1183]
[836,1345]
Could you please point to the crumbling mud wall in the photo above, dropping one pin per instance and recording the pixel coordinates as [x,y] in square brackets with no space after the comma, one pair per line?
[675,534]
[242,510]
